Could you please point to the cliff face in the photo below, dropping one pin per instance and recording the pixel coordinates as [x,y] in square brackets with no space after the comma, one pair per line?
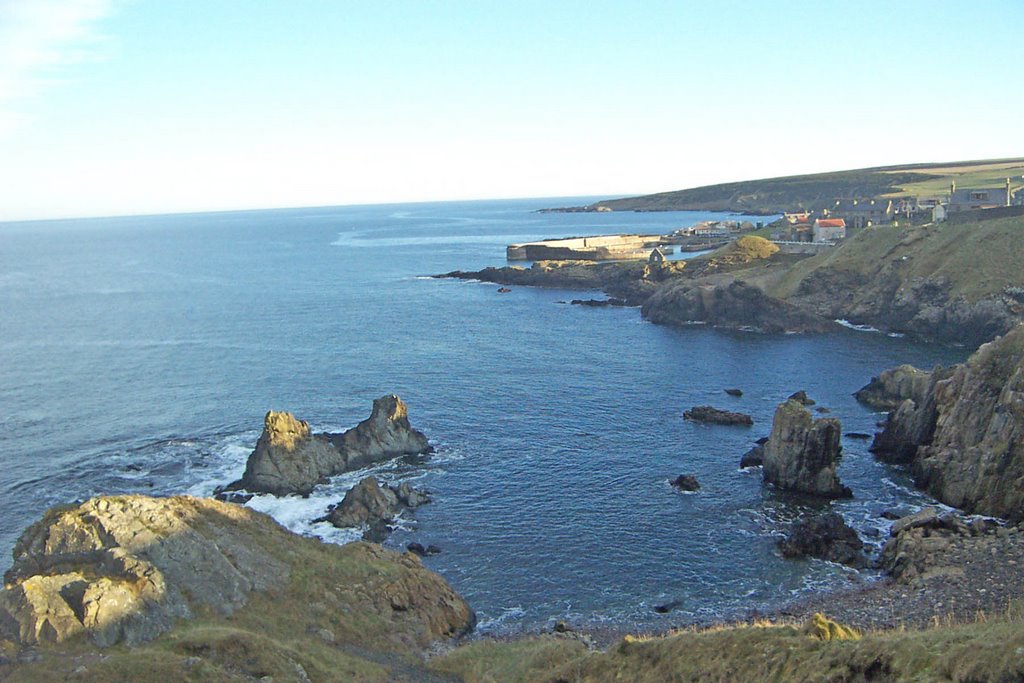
[964,439]
[735,305]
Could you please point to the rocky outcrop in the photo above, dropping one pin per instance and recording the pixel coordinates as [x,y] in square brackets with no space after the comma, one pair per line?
[826,537]
[124,568]
[374,505]
[753,458]
[711,415]
[686,482]
[892,387]
[928,544]
[802,454]
[802,398]
[965,440]
[289,459]
[735,305]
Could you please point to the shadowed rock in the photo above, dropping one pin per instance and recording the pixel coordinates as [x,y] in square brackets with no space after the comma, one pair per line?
[826,537]
[686,482]
[374,505]
[802,454]
[711,415]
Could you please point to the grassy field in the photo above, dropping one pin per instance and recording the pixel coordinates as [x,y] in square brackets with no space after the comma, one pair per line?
[775,195]
[952,251]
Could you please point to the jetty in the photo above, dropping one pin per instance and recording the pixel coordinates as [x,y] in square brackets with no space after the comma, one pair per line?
[594,248]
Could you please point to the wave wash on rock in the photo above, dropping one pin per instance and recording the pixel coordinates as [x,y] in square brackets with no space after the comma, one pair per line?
[290,459]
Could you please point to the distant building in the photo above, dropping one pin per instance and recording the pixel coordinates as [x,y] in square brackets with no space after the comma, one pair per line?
[797,217]
[938,213]
[978,198]
[829,230]
[862,213]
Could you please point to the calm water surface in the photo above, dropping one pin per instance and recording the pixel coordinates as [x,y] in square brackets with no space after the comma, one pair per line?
[140,354]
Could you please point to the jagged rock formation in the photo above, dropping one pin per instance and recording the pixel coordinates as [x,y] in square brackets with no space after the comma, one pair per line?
[892,387]
[123,569]
[712,415]
[802,454]
[802,398]
[736,305]
[289,459]
[826,537]
[964,440]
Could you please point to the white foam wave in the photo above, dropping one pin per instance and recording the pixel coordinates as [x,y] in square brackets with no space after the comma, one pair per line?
[487,623]
[854,326]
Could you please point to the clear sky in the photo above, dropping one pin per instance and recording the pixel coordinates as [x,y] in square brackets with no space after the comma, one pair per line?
[149,106]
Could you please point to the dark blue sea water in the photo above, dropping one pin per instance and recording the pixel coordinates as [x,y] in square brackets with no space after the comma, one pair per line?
[140,354]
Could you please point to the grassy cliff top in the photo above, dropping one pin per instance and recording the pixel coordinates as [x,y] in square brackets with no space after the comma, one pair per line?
[814,191]
[977,259]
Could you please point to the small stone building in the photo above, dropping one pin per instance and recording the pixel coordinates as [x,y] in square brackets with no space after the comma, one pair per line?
[829,230]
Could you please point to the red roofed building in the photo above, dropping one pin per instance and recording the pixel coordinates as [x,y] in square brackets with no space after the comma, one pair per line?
[829,230]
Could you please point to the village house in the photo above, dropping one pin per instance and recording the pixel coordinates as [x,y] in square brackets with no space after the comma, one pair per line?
[974,199]
[829,230]
[797,217]
[862,213]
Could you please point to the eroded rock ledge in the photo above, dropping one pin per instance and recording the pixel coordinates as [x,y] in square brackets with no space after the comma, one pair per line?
[802,454]
[290,459]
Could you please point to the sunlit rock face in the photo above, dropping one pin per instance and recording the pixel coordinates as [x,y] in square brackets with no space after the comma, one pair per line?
[123,568]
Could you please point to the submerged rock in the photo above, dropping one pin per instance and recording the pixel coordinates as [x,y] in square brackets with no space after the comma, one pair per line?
[289,459]
[826,537]
[711,415]
[754,457]
[802,454]
[734,392]
[686,482]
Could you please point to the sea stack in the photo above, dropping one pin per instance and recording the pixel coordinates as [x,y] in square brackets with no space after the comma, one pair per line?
[802,454]
[290,459]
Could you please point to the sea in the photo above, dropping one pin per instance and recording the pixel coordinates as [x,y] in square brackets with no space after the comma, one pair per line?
[140,354]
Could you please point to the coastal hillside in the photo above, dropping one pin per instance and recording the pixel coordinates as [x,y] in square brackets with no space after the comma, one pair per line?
[790,193]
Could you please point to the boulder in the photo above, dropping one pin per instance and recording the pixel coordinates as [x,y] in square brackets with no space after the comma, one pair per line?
[928,543]
[711,415]
[826,537]
[289,459]
[892,387]
[364,503]
[686,482]
[374,505]
[734,392]
[802,454]
[964,438]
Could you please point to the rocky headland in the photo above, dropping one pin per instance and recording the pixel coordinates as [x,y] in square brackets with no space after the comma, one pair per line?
[938,282]
[205,590]
[290,459]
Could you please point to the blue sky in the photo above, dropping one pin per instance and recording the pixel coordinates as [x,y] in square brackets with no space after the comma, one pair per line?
[139,106]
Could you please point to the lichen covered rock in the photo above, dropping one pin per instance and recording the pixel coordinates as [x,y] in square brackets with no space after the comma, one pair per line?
[892,387]
[802,454]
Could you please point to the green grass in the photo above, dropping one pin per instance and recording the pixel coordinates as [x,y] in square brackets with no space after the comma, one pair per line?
[978,259]
[985,651]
